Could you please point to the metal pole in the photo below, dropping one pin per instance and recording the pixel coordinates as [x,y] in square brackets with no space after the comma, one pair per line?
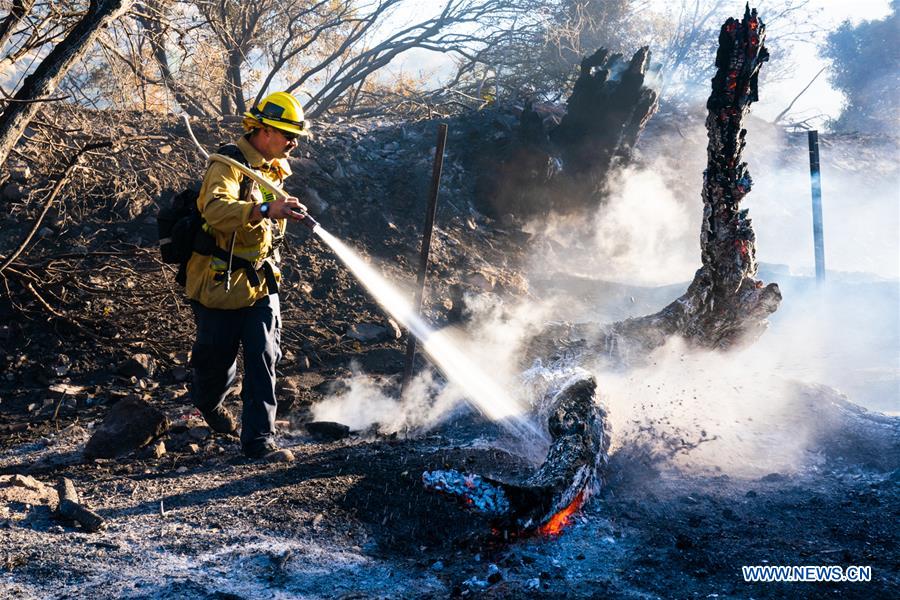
[426,247]
[816,176]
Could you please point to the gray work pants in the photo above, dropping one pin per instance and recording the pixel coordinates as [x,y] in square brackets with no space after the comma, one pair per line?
[214,360]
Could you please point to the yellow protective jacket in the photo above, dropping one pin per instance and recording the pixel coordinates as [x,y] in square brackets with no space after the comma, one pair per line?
[225,213]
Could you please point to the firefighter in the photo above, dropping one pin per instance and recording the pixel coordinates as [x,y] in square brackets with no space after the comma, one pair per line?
[235,301]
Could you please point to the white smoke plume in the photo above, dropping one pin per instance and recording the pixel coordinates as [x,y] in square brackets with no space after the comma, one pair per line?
[364,401]
[740,412]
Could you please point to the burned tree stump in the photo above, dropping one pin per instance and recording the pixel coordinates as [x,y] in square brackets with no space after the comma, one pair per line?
[724,304]
[571,472]
[559,160]
[606,113]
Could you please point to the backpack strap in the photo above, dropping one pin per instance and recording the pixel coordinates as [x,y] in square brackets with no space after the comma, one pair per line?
[247,184]
[246,190]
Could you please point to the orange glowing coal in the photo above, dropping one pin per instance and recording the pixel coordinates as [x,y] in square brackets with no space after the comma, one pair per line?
[561,519]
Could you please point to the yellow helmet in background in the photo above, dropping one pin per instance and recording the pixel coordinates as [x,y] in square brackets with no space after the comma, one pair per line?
[282,111]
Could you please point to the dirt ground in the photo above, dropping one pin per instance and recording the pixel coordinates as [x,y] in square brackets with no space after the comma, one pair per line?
[350,518]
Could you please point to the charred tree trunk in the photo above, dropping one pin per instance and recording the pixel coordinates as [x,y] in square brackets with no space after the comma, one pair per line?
[607,110]
[561,161]
[572,471]
[725,304]
[52,69]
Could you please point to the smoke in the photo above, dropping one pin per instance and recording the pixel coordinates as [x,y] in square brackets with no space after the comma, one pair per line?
[703,411]
[364,401]
[740,413]
[496,336]
[861,212]
[641,235]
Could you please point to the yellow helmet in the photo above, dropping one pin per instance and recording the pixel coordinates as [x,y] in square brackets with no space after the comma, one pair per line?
[282,111]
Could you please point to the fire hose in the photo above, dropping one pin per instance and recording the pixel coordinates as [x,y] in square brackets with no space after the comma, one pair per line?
[305,217]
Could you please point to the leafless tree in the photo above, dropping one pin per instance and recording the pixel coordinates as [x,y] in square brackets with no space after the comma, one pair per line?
[22,107]
[30,25]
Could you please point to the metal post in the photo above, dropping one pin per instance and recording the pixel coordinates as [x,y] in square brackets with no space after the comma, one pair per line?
[426,246]
[816,176]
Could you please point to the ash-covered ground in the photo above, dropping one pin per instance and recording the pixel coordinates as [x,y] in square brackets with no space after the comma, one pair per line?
[754,457]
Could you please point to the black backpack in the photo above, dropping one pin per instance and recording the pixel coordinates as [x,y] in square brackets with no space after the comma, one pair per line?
[180,225]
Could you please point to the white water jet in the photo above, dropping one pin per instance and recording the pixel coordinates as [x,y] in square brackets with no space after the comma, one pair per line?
[479,389]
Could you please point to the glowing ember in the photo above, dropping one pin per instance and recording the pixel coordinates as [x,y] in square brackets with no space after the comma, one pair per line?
[561,519]
[471,489]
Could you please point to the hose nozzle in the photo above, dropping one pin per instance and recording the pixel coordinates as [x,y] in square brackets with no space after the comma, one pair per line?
[306,219]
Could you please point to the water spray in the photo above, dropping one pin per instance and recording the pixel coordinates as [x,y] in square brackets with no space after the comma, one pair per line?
[482,392]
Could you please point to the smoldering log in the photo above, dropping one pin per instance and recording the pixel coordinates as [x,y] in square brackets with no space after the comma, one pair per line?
[572,470]
[71,508]
[724,305]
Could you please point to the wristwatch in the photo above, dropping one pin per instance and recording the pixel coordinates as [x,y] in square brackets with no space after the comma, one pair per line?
[264,210]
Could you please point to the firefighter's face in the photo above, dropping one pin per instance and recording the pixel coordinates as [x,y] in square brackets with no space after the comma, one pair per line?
[276,143]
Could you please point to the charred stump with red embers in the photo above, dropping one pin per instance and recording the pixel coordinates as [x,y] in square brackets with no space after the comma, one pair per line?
[724,305]
[571,472]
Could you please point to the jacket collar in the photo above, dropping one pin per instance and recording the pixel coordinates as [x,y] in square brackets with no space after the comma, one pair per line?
[278,166]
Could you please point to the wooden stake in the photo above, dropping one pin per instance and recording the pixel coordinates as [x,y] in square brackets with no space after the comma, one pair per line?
[426,247]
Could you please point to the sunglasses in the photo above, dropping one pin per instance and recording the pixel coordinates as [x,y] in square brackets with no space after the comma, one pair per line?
[291,137]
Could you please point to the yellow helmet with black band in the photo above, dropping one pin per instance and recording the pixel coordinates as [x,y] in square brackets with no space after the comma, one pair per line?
[281,111]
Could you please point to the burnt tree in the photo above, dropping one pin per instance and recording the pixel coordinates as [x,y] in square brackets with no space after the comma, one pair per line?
[724,304]
[44,80]
[560,160]
[606,113]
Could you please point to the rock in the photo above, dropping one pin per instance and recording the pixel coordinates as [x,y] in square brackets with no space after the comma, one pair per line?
[131,423]
[314,201]
[484,280]
[437,566]
[157,450]
[199,433]
[394,330]
[139,365]
[327,430]
[13,192]
[280,456]
[180,374]
[19,490]
[369,333]
[338,172]
[303,165]
[193,448]
[45,232]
